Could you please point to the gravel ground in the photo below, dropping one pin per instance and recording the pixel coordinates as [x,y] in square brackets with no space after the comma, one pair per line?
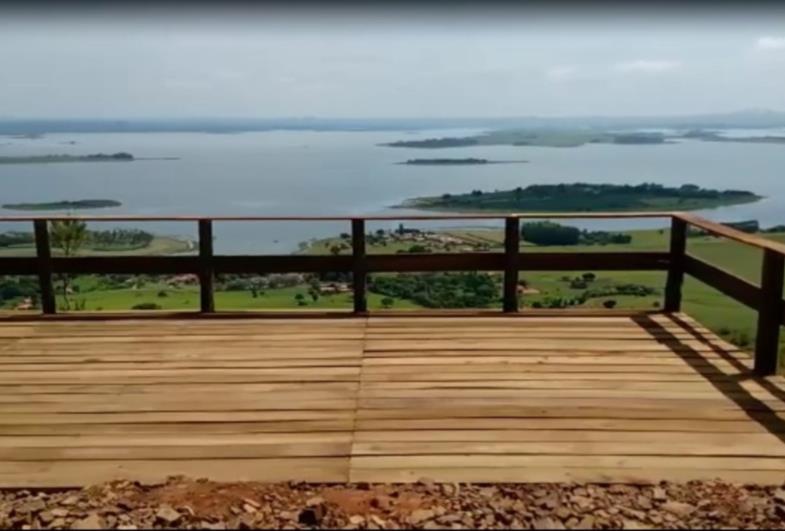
[184,503]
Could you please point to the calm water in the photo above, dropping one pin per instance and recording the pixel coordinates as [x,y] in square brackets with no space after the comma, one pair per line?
[346,173]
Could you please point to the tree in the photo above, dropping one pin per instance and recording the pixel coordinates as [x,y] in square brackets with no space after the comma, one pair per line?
[518,193]
[610,303]
[69,235]
[549,233]
[387,302]
[589,277]
[335,250]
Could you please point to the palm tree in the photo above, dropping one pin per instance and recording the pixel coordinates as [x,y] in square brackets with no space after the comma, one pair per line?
[69,235]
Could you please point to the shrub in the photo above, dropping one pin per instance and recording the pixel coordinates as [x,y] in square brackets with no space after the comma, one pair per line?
[610,303]
[163,293]
[146,306]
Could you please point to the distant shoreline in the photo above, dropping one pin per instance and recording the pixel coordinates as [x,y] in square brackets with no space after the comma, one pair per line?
[457,162]
[64,205]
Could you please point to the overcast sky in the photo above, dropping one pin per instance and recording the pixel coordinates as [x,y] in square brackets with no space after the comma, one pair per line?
[408,63]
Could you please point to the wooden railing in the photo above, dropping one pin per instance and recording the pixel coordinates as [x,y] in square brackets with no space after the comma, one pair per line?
[765,298]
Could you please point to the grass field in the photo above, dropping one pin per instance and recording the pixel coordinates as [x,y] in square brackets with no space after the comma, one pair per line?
[159,245]
[188,298]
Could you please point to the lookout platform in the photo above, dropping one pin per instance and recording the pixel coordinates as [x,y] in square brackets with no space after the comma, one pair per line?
[536,397]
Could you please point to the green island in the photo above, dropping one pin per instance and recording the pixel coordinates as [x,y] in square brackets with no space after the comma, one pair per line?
[65,205]
[534,137]
[584,197]
[556,137]
[402,291]
[465,161]
[713,136]
[42,159]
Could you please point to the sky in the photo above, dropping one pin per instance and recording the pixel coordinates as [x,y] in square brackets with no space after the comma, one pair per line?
[354,62]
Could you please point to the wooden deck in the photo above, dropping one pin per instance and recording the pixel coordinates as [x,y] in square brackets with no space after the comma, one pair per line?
[384,399]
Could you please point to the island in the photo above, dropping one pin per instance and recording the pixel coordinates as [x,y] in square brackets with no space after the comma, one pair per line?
[539,138]
[584,197]
[466,161]
[95,157]
[714,136]
[64,205]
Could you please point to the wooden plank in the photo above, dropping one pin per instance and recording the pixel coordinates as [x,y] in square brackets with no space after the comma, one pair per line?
[567,461]
[676,447]
[538,474]
[80,473]
[660,425]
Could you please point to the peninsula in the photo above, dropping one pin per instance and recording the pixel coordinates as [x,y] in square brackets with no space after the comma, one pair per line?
[64,205]
[96,157]
[585,197]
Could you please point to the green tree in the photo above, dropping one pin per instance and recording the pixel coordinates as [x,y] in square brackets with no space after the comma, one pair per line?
[69,235]
[387,302]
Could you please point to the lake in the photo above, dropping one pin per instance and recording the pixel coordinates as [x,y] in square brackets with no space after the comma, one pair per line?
[346,173]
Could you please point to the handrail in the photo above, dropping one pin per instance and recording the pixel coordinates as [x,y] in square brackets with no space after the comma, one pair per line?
[766,298]
[718,229]
[391,217]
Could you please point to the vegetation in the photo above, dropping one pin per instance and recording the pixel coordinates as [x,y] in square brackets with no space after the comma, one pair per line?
[585,197]
[440,290]
[69,236]
[64,205]
[549,233]
[96,157]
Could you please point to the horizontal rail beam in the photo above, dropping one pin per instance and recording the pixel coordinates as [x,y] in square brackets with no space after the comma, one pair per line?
[737,288]
[718,229]
[395,217]
[17,265]
[611,261]
[378,263]
[126,265]
[281,264]
[435,262]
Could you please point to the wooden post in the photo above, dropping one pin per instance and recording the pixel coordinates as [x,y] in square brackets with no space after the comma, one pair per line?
[206,273]
[676,267]
[359,266]
[44,254]
[512,241]
[769,313]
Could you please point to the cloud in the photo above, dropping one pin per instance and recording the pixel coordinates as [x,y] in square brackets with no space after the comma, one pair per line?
[559,73]
[647,66]
[771,43]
